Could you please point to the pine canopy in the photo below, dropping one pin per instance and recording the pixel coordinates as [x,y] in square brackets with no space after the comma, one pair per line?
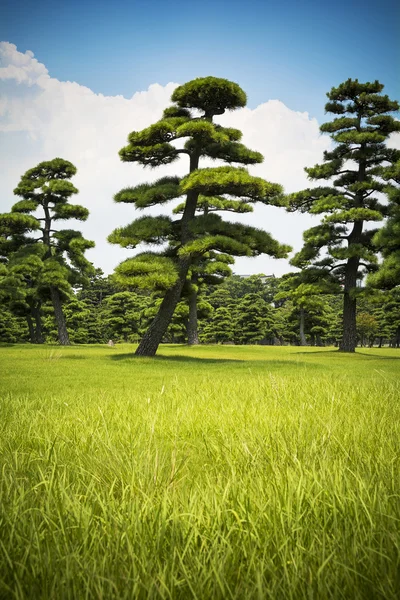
[203,190]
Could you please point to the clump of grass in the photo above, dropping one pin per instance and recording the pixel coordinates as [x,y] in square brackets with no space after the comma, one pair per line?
[225,473]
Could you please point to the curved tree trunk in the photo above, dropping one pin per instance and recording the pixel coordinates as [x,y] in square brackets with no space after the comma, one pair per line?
[303,341]
[63,337]
[192,331]
[155,333]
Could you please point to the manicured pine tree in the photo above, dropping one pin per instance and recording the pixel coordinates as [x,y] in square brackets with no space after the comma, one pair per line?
[252,320]
[219,327]
[185,239]
[123,315]
[12,328]
[359,131]
[392,317]
[96,289]
[387,240]
[305,290]
[46,188]
[19,271]
[19,285]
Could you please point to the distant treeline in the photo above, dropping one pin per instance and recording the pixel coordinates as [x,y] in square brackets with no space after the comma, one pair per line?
[251,310]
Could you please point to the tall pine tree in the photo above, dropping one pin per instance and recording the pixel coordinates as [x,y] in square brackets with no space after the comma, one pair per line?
[58,255]
[359,131]
[185,239]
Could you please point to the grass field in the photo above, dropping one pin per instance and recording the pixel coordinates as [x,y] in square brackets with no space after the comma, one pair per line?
[205,473]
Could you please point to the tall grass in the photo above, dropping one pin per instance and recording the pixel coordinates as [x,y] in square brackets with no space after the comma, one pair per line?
[209,473]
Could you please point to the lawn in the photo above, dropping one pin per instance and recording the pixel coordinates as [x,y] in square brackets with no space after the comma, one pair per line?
[207,473]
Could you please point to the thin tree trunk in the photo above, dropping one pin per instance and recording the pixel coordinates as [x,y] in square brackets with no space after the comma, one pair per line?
[349,339]
[38,323]
[63,337]
[303,341]
[31,329]
[192,331]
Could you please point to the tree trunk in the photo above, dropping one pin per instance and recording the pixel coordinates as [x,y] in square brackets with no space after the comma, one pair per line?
[349,339]
[31,329]
[63,337]
[155,333]
[38,323]
[303,341]
[192,331]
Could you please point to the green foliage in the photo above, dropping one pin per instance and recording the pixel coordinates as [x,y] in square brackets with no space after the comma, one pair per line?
[206,204]
[209,94]
[12,327]
[151,230]
[232,181]
[387,240]
[196,237]
[355,166]
[147,271]
[50,263]
[146,194]
[123,316]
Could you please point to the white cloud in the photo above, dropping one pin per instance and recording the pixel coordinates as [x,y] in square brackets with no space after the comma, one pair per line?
[41,118]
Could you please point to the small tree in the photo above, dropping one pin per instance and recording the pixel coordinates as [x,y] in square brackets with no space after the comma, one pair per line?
[359,131]
[189,237]
[123,315]
[306,295]
[59,259]
[253,319]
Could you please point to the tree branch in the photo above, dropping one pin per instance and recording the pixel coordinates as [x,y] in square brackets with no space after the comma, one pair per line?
[337,266]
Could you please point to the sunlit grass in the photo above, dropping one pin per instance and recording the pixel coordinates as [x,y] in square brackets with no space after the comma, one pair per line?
[211,472]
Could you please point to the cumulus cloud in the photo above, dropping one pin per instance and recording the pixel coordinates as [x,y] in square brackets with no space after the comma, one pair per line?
[42,117]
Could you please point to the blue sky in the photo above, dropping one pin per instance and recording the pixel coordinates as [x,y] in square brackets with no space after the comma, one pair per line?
[293,51]
[286,55]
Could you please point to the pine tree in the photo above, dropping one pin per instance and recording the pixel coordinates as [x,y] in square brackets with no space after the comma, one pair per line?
[305,290]
[360,129]
[252,320]
[219,327]
[387,240]
[123,315]
[184,240]
[58,254]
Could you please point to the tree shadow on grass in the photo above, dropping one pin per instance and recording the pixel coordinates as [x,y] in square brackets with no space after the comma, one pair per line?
[177,358]
[260,365]
[379,356]
[357,353]
[320,351]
